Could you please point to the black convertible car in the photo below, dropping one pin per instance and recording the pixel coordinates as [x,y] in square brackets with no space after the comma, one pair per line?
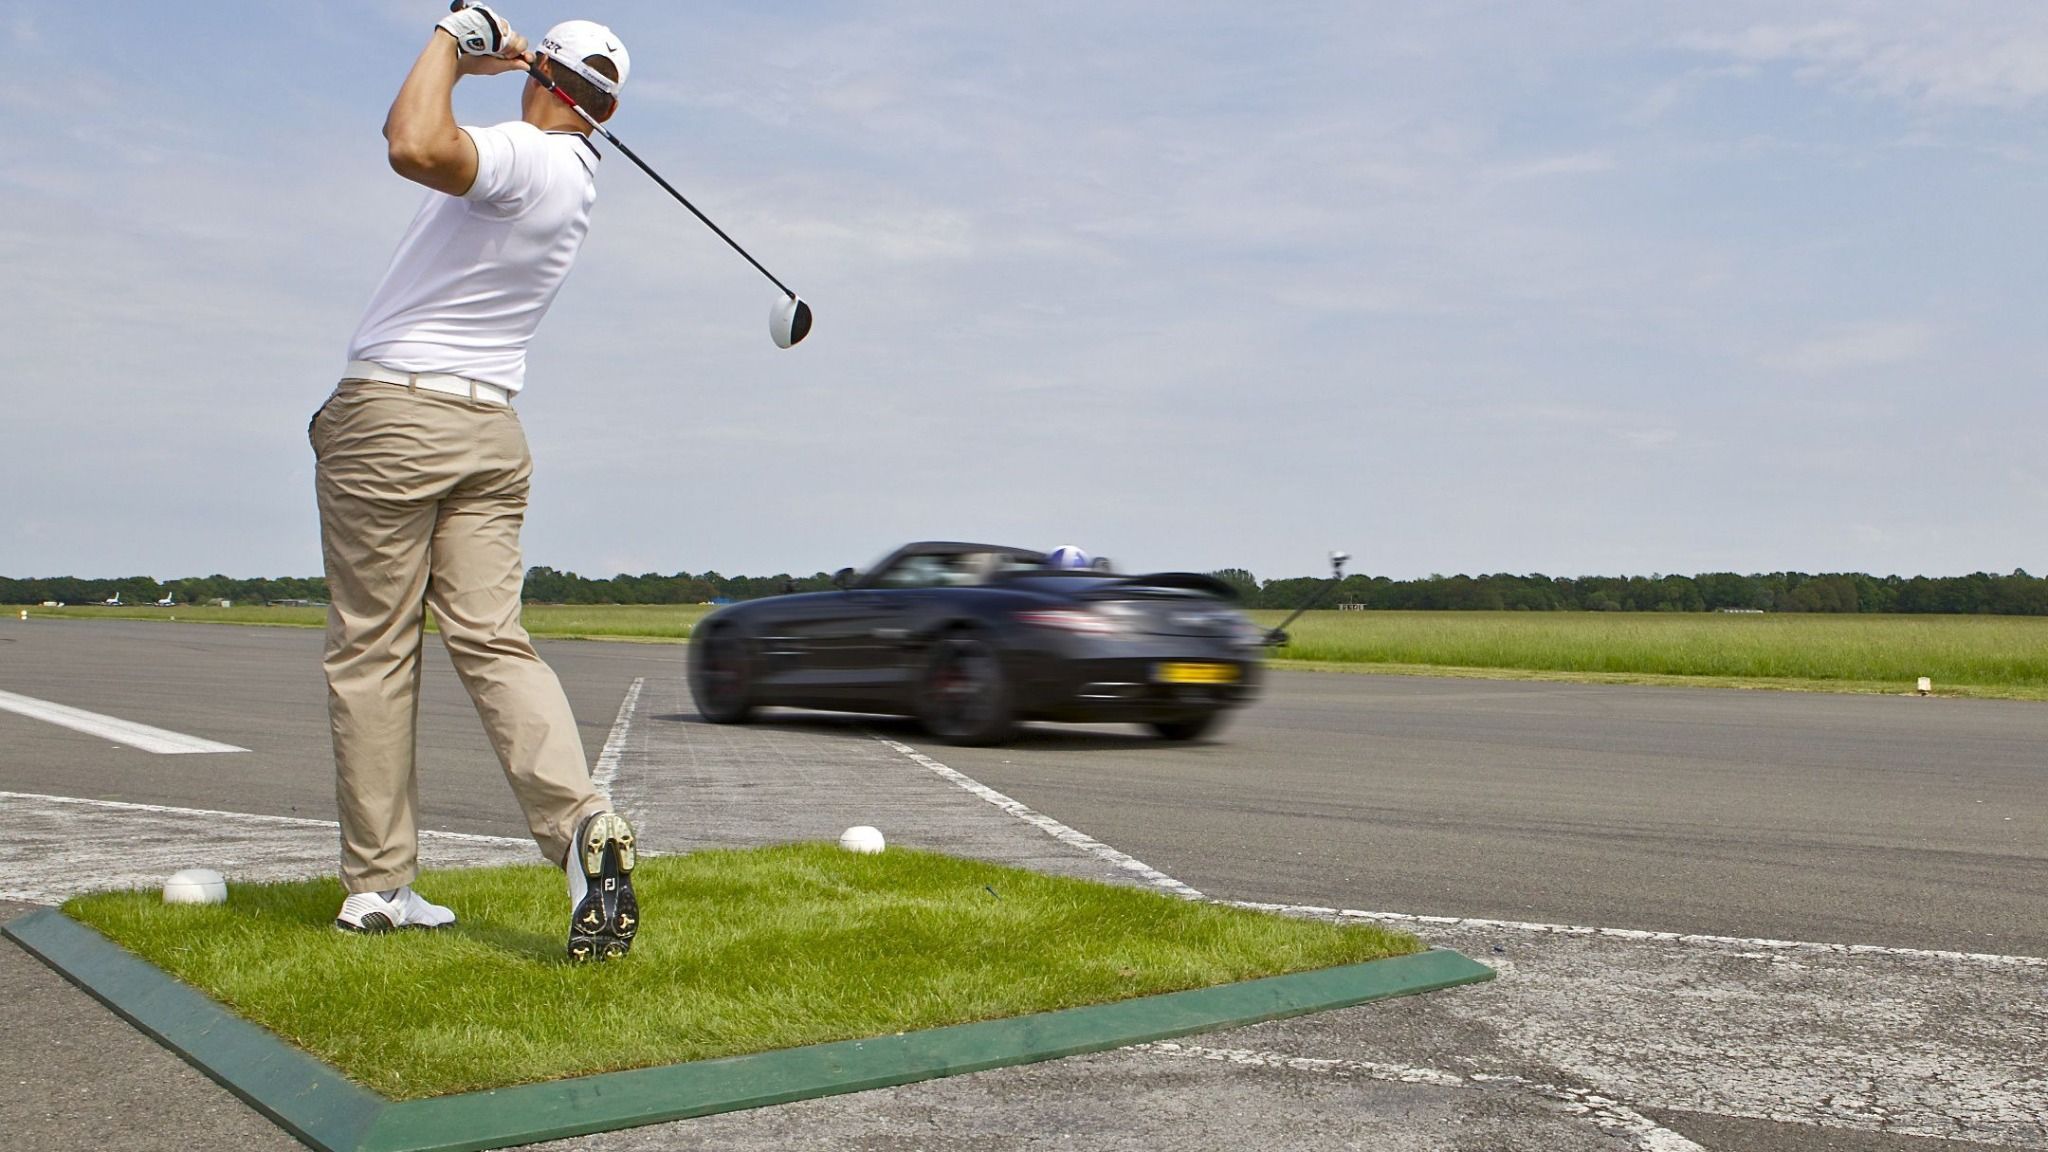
[970,639]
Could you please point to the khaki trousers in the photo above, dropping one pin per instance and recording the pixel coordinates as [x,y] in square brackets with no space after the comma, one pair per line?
[421,500]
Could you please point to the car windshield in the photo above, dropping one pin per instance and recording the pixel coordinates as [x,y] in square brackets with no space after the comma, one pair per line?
[1069,581]
[951,570]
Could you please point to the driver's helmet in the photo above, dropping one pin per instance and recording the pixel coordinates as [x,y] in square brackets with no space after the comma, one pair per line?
[1068,557]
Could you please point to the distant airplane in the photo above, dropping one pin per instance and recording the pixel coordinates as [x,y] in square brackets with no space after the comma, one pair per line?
[114,602]
[170,601]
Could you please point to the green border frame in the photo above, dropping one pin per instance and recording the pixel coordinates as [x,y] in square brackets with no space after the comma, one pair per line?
[318,1105]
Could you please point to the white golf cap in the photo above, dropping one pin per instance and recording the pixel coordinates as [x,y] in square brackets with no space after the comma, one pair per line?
[569,42]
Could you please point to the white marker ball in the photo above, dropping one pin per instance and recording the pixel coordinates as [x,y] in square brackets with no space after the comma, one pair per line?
[862,839]
[196,886]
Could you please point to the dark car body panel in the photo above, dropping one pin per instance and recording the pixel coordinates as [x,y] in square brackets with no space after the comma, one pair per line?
[866,647]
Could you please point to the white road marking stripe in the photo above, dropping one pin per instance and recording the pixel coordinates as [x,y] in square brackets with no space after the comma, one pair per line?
[615,744]
[112,728]
[1047,824]
[1607,1114]
[1251,1058]
[55,847]
[248,817]
[1644,935]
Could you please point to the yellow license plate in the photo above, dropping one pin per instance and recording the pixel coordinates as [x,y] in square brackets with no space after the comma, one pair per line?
[1197,674]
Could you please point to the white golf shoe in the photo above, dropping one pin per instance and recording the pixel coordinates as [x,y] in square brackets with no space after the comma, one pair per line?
[371,912]
[603,913]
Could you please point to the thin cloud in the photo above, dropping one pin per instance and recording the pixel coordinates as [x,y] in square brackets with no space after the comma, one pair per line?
[1655,104]
[1837,41]
[1572,164]
[1857,346]
[1934,62]
[1633,430]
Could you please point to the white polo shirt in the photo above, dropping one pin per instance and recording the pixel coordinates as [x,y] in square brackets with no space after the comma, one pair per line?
[475,273]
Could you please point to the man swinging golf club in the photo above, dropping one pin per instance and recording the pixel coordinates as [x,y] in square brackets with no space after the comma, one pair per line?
[423,471]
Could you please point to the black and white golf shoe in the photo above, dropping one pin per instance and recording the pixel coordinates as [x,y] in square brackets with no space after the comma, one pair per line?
[603,916]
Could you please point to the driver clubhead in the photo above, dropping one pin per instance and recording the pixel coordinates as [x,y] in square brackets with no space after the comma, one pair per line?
[789,321]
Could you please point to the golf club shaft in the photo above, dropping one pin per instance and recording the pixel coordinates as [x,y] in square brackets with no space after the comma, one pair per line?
[534,70]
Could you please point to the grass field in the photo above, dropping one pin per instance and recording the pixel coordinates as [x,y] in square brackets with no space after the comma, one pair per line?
[1992,656]
[1966,655]
[744,951]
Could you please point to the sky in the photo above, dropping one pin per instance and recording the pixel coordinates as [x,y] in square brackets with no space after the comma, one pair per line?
[1605,287]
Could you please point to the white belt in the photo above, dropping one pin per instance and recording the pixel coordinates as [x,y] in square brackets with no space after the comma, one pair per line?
[447,382]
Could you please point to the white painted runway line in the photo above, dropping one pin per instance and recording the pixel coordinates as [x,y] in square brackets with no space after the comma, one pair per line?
[1643,935]
[112,728]
[1907,1041]
[607,768]
[55,847]
[1047,824]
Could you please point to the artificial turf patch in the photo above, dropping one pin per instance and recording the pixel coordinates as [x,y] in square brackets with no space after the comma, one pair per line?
[743,951]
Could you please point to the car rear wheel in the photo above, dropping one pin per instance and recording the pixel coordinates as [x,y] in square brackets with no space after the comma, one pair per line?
[1185,727]
[965,696]
[719,678]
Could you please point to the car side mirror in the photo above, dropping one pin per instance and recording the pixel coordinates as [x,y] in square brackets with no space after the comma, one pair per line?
[843,579]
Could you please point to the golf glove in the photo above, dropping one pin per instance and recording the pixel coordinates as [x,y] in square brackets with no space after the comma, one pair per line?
[478,31]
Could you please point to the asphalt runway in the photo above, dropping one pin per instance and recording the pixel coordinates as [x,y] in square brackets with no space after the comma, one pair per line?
[262,689]
[1878,820]
[1858,819]
[1554,819]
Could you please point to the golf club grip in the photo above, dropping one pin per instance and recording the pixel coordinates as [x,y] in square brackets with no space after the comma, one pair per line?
[459,5]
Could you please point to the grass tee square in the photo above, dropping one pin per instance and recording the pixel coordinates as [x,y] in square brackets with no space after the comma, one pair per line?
[745,951]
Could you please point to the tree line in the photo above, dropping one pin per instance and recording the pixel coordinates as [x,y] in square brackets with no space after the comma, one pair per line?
[547,586]
[2017,594]
[144,589]
[543,586]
